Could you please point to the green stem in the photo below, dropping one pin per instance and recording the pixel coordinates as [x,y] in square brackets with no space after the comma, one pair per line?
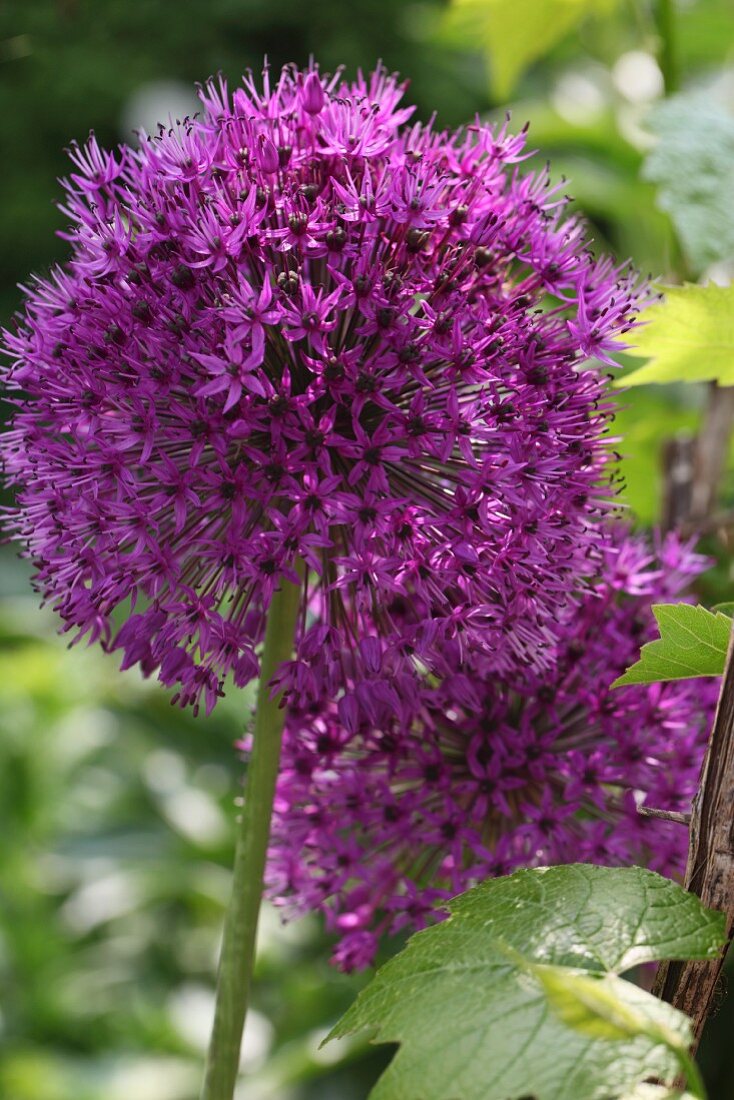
[668,55]
[240,926]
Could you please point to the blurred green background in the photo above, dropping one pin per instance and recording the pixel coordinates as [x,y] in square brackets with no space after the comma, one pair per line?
[115,808]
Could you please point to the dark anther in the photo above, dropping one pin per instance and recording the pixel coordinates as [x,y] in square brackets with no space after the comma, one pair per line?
[373,455]
[482,256]
[392,282]
[416,240]
[309,191]
[277,404]
[385,316]
[366,383]
[336,239]
[408,354]
[114,334]
[182,277]
[297,223]
[536,376]
[142,311]
[273,471]
[333,371]
[284,155]
[361,286]
[314,438]
[457,216]
[288,282]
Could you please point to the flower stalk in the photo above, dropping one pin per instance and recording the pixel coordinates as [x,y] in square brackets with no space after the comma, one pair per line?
[668,59]
[240,928]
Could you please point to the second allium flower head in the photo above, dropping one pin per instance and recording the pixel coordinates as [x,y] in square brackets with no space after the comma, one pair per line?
[298,329]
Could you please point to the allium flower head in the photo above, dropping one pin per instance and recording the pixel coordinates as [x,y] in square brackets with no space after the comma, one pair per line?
[298,328]
[375,828]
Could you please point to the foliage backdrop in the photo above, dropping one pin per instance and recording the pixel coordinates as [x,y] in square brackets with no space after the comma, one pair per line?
[114,807]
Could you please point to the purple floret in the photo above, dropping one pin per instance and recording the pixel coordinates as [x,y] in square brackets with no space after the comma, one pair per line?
[376,828]
[299,328]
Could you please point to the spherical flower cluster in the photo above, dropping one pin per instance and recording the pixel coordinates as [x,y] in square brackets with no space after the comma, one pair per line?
[299,337]
[376,828]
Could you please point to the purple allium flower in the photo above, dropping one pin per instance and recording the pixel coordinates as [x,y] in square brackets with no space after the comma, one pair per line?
[297,328]
[494,773]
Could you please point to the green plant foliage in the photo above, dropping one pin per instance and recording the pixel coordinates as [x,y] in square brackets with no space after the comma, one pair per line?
[692,642]
[688,337]
[514,33]
[468,1000]
[693,167]
[115,814]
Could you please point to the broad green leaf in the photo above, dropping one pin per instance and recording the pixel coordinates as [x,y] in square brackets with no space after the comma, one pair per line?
[726,608]
[692,642]
[514,33]
[693,167]
[472,1018]
[688,337]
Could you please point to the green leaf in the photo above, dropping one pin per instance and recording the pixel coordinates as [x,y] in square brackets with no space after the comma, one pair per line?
[693,166]
[474,1018]
[689,337]
[726,608]
[514,33]
[600,1007]
[693,642]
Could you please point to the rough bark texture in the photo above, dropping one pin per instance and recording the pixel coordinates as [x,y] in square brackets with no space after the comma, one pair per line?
[712,450]
[692,987]
[678,468]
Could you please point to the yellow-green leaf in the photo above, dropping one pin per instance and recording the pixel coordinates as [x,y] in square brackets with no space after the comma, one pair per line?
[514,33]
[688,337]
[594,1006]
[692,642]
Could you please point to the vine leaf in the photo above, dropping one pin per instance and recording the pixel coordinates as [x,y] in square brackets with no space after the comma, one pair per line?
[688,337]
[692,642]
[514,33]
[468,1000]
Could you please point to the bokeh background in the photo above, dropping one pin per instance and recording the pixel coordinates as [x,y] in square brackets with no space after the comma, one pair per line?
[115,809]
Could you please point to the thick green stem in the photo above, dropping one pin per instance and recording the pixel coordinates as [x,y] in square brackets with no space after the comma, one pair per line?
[240,927]
[668,55]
